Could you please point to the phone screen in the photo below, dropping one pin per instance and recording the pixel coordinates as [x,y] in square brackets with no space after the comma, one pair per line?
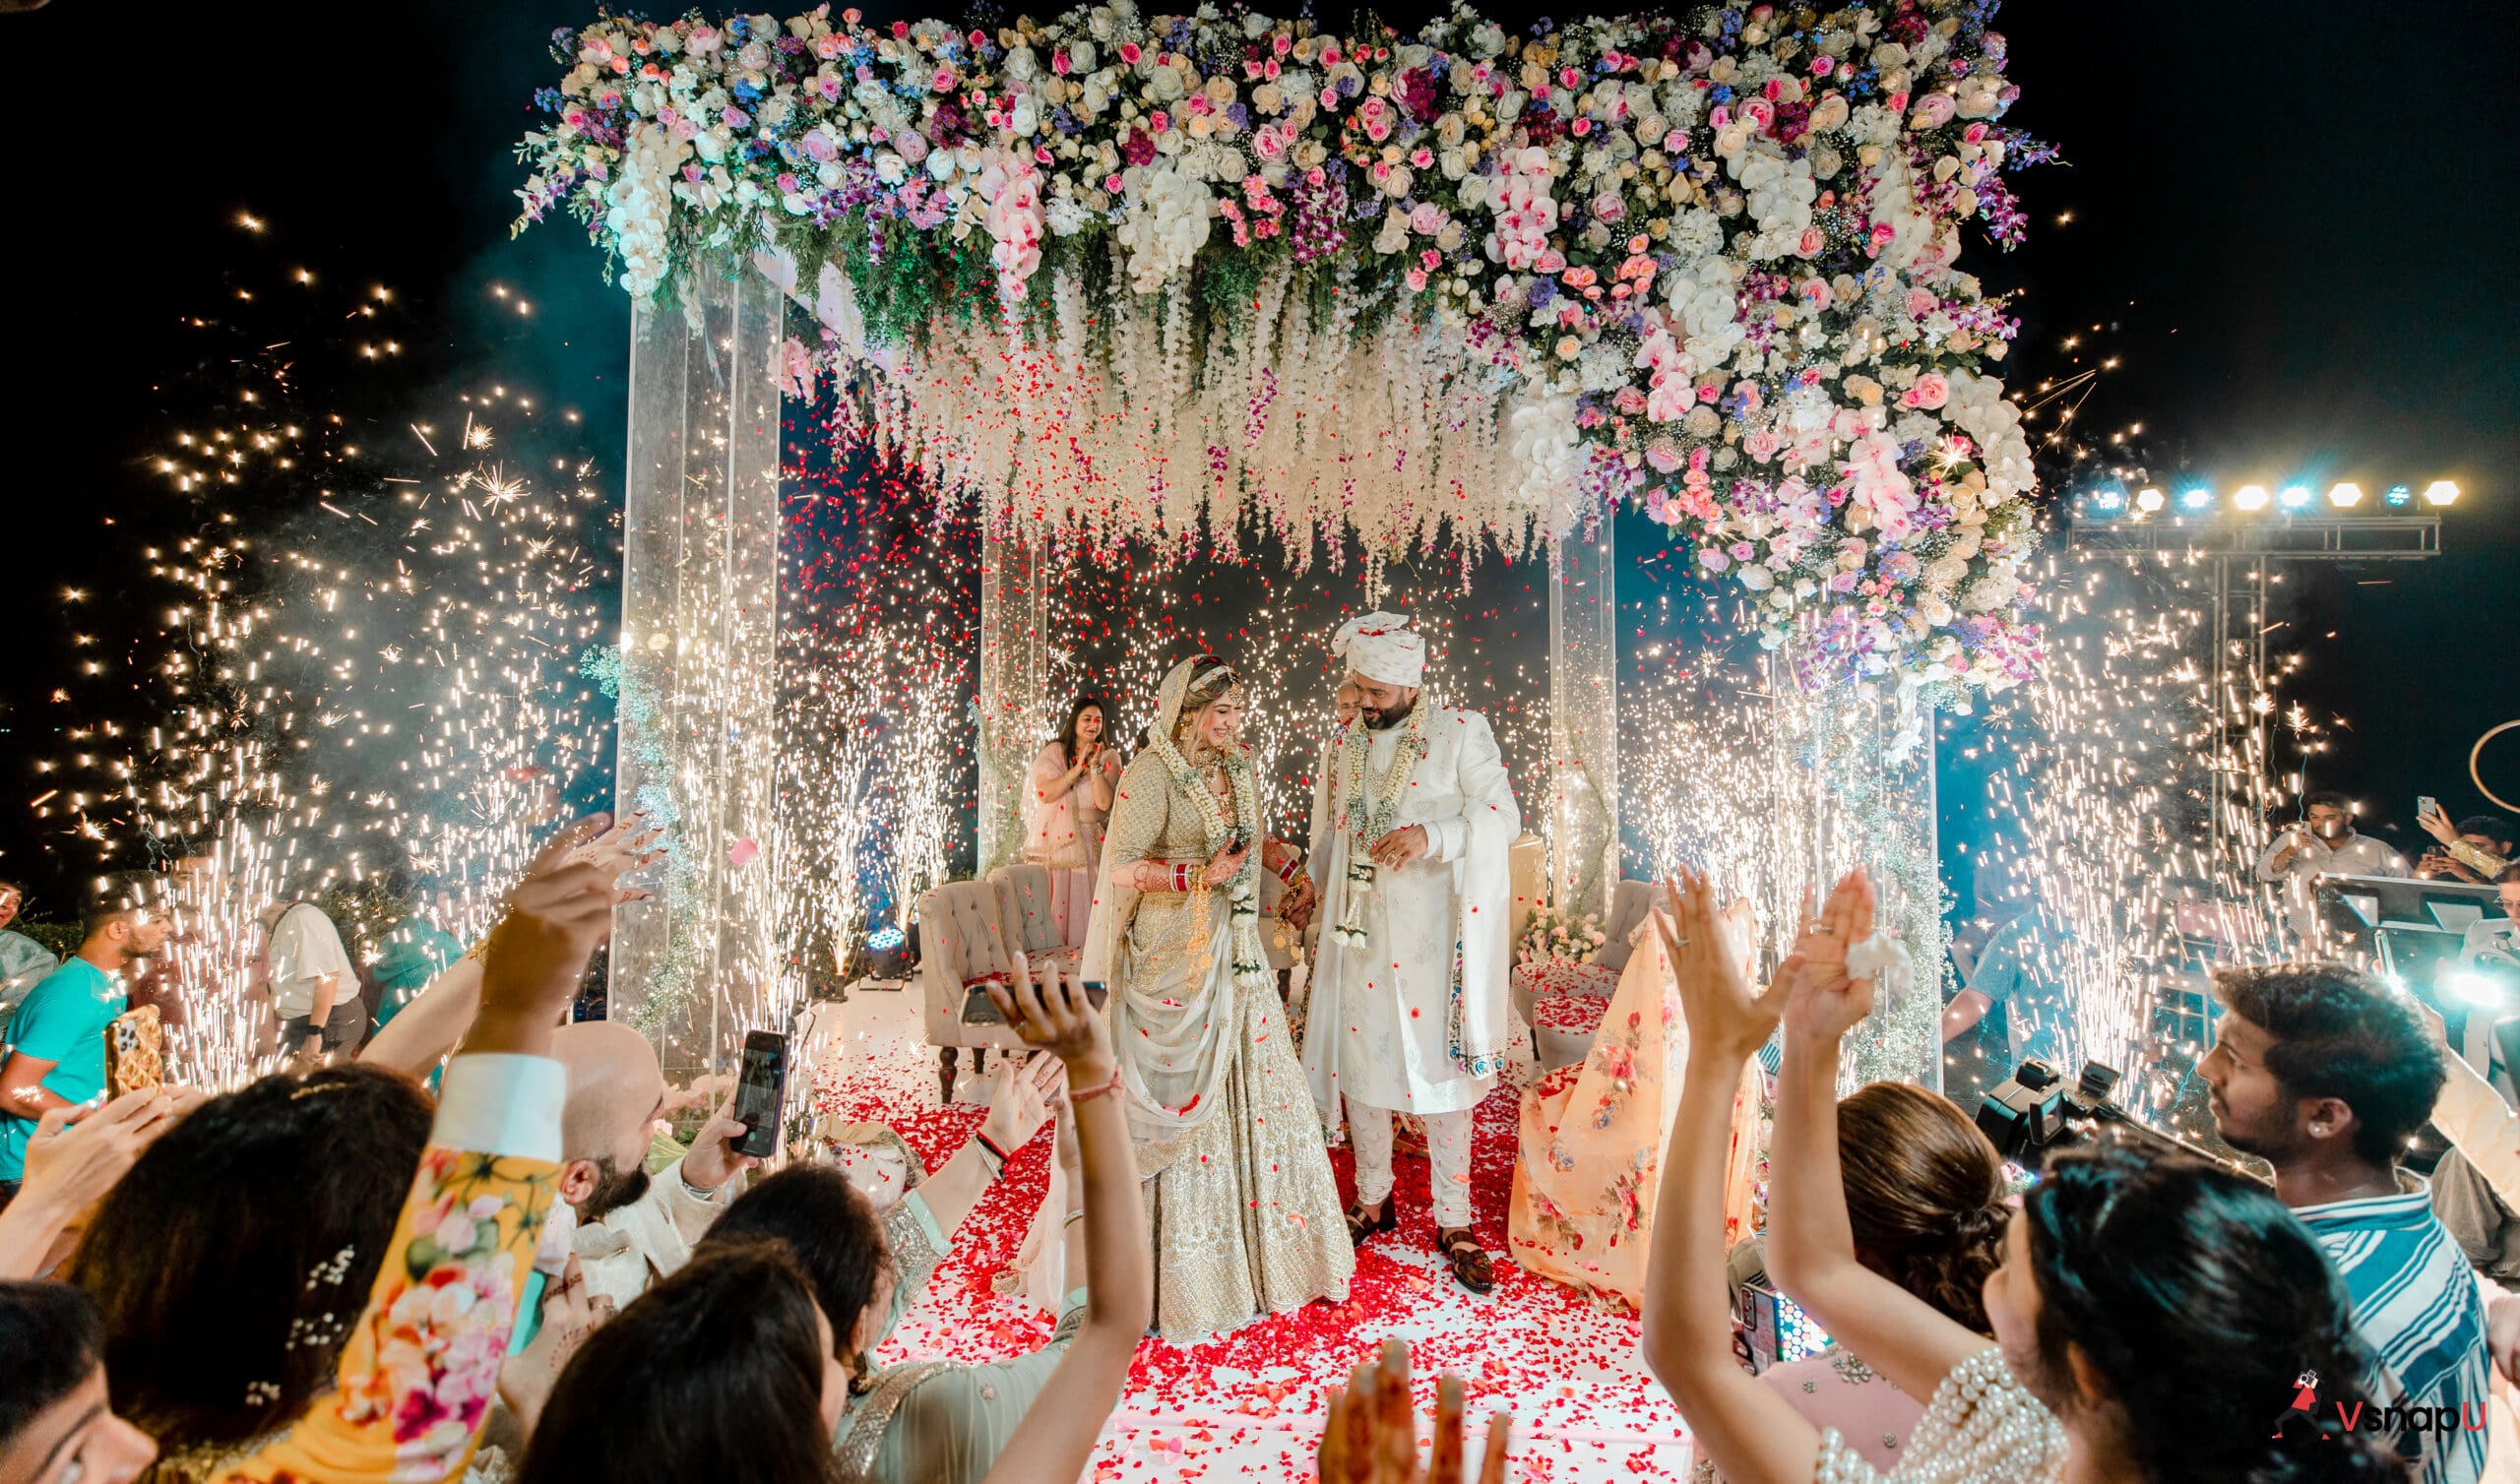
[761,1086]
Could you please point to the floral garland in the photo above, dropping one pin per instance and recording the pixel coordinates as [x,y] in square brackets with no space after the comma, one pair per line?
[1250,960]
[1167,274]
[1370,821]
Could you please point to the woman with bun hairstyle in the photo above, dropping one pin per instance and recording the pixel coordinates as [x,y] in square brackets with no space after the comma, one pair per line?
[1925,1196]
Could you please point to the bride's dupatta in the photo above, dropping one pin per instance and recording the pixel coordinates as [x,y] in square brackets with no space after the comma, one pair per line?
[1173,1008]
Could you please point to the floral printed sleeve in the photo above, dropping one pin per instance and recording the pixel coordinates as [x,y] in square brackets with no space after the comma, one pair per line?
[418,1374]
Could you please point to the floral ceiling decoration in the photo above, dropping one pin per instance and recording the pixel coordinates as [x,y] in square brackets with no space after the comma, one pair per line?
[1192,277]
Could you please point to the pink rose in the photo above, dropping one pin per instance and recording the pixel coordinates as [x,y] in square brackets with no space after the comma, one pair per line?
[1415,279]
[1809,245]
[1608,207]
[1930,390]
[1130,52]
[1428,220]
[1933,110]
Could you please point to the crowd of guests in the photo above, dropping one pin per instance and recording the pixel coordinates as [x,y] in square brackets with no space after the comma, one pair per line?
[333,1274]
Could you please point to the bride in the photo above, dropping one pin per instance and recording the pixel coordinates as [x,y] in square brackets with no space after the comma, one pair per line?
[1245,1209]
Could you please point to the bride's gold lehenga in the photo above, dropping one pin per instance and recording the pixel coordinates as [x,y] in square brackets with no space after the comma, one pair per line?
[1243,1205]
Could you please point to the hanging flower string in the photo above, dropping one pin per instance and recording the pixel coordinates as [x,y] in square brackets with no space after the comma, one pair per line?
[1193,276]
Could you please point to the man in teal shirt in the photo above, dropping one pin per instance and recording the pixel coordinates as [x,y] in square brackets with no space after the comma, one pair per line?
[416,951]
[56,1056]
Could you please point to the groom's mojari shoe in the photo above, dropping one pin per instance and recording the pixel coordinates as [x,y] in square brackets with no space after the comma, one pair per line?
[1363,1227]
[1471,1266]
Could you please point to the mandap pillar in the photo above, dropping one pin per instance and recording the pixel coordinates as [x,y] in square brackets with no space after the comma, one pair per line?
[1583,715]
[697,966]
[1014,678]
[1858,796]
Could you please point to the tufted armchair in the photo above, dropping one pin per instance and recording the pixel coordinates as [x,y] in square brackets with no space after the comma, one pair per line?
[962,941]
[1025,922]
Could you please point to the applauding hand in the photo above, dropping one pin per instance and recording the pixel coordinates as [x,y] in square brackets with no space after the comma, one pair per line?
[1826,1001]
[1710,959]
[1372,1437]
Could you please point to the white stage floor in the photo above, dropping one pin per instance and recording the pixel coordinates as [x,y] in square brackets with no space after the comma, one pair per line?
[1248,1405]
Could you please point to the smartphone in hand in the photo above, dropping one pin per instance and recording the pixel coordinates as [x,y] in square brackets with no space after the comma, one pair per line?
[761,1091]
[2425,804]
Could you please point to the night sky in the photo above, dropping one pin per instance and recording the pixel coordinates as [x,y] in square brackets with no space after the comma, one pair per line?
[2293,226]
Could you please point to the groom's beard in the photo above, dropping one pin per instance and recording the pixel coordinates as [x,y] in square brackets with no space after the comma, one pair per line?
[1379,719]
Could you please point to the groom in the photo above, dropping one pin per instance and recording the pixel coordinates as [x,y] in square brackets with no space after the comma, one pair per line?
[1411,824]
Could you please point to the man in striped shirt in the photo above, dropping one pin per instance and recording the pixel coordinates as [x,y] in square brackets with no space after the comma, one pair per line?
[2324,1071]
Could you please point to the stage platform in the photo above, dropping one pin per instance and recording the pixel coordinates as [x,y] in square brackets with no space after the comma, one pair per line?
[1248,1405]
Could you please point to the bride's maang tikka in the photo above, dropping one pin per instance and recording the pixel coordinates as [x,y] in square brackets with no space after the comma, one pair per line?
[1222,679]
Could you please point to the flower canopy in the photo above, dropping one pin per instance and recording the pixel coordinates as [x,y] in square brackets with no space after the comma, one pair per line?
[1193,277]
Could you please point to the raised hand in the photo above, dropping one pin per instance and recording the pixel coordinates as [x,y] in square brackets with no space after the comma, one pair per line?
[1371,1434]
[73,1159]
[624,847]
[714,1159]
[536,956]
[1708,947]
[1020,1103]
[1058,1017]
[1825,999]
[2437,824]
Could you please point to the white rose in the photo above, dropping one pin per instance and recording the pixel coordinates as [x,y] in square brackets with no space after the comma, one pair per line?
[1394,234]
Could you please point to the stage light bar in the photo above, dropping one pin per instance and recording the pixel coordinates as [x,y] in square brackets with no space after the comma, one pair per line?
[2109,500]
[2345,496]
[2148,499]
[2295,497]
[2440,492]
[2196,500]
[2250,497]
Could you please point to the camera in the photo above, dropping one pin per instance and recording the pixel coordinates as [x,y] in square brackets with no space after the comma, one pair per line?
[2034,1110]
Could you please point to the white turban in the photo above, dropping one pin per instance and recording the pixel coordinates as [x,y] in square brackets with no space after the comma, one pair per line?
[1381,647]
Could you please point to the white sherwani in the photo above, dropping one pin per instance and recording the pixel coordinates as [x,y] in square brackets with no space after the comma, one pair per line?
[1384,1028]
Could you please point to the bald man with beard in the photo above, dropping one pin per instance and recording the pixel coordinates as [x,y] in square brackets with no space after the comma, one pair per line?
[633,1229]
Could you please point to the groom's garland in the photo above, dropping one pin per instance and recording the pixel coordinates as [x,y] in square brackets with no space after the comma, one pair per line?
[1251,961]
[1369,822]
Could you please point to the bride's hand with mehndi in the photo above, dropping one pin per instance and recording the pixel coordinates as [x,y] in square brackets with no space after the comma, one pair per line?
[1226,864]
